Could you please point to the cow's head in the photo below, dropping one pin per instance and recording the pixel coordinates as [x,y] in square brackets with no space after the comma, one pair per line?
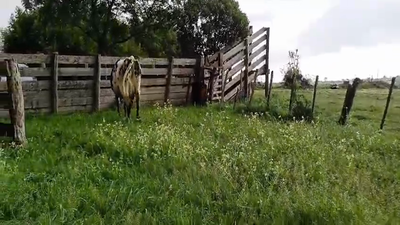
[131,64]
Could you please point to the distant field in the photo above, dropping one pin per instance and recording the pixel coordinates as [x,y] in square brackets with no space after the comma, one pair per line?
[368,107]
[207,166]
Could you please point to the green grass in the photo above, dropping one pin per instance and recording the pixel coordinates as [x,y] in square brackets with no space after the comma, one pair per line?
[205,166]
[368,106]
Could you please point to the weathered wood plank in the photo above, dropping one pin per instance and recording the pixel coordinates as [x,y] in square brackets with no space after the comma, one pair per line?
[160,96]
[43,98]
[40,72]
[148,90]
[259,51]
[236,84]
[161,81]
[231,94]
[106,92]
[258,33]
[153,91]
[235,69]
[45,95]
[157,71]
[88,72]
[79,93]
[152,61]
[164,71]
[39,103]
[107,100]
[258,42]
[234,60]
[62,72]
[185,62]
[26,58]
[46,85]
[257,62]
[236,81]
[158,90]
[76,59]
[145,82]
[234,50]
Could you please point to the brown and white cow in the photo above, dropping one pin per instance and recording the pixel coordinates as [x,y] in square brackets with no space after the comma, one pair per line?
[125,83]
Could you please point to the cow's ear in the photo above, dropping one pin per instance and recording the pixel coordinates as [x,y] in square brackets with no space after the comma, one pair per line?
[126,62]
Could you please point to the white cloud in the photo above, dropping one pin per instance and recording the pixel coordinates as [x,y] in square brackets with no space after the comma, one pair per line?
[6,9]
[309,24]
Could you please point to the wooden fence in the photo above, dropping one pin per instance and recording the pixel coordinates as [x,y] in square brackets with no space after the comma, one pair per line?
[66,83]
[244,56]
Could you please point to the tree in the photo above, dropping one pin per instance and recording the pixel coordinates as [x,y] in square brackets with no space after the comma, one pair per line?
[98,20]
[207,26]
[155,28]
[1,39]
[291,72]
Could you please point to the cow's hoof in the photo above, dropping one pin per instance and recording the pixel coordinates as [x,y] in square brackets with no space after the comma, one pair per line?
[138,119]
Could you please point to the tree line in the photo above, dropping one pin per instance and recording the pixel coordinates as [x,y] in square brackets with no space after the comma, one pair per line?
[147,28]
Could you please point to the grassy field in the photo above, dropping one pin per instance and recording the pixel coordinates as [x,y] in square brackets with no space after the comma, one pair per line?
[368,106]
[207,166]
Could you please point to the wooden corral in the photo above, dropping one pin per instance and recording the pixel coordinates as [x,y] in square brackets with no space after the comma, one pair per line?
[66,83]
[244,56]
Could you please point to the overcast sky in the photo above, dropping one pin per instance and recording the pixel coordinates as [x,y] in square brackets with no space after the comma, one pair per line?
[336,39]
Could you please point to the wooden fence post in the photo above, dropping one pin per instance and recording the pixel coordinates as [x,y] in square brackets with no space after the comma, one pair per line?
[213,76]
[54,89]
[199,92]
[168,78]
[348,101]
[388,102]
[96,85]
[266,65]
[314,95]
[17,109]
[266,84]
[251,40]
[246,67]
[270,88]
[292,92]
[222,74]
[188,90]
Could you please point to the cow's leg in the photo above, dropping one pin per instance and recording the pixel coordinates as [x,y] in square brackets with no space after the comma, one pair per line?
[129,108]
[126,109]
[117,102]
[137,106]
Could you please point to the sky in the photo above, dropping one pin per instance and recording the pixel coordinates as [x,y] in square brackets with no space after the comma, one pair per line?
[336,39]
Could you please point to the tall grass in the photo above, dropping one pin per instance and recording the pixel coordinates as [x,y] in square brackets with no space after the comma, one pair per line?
[198,166]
